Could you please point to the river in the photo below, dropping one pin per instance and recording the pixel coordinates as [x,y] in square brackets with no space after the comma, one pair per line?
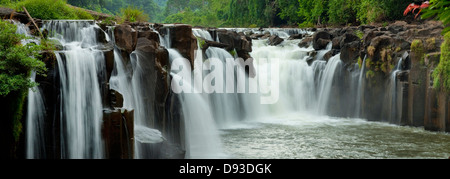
[305,136]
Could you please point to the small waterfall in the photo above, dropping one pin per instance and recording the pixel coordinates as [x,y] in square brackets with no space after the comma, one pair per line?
[80,68]
[360,90]
[203,34]
[35,123]
[326,83]
[392,100]
[201,135]
[35,139]
[226,106]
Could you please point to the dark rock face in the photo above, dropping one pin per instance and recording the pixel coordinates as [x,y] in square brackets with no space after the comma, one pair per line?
[126,38]
[350,46]
[236,41]
[183,40]
[118,133]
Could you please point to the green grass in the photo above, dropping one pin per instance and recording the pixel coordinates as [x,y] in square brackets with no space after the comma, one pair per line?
[51,9]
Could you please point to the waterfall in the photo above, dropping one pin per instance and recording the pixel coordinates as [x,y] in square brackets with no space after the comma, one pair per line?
[35,139]
[360,90]
[203,34]
[35,123]
[201,135]
[392,100]
[80,67]
[326,84]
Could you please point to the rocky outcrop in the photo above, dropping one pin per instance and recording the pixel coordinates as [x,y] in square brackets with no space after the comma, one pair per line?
[350,46]
[321,39]
[182,39]
[126,37]
[235,41]
[118,133]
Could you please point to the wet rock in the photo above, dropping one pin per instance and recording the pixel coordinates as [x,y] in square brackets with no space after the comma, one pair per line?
[116,99]
[118,133]
[321,40]
[350,46]
[149,34]
[154,77]
[275,40]
[126,38]
[109,62]
[295,36]
[336,43]
[256,36]
[306,42]
[183,40]
[213,44]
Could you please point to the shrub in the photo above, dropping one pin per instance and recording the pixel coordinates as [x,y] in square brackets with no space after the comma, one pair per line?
[16,63]
[133,14]
[16,60]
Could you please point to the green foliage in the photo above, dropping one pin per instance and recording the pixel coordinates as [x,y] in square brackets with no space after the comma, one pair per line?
[288,11]
[207,13]
[360,34]
[370,74]
[306,24]
[133,14]
[342,11]
[441,10]
[313,11]
[51,9]
[380,10]
[17,60]
[246,12]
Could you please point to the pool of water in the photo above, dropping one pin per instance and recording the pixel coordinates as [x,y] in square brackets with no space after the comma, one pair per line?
[303,136]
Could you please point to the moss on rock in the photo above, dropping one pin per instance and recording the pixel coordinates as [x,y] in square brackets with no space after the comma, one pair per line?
[441,74]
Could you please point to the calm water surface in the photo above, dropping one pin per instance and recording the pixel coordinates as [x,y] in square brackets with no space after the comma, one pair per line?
[302,136]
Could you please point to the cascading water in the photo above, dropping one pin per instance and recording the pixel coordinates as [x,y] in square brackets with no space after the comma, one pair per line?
[201,135]
[35,140]
[80,66]
[327,83]
[392,100]
[35,123]
[360,89]
[302,87]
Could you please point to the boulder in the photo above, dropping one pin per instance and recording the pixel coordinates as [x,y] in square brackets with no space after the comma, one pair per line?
[256,36]
[236,41]
[306,42]
[321,40]
[213,44]
[275,40]
[295,36]
[182,39]
[126,38]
